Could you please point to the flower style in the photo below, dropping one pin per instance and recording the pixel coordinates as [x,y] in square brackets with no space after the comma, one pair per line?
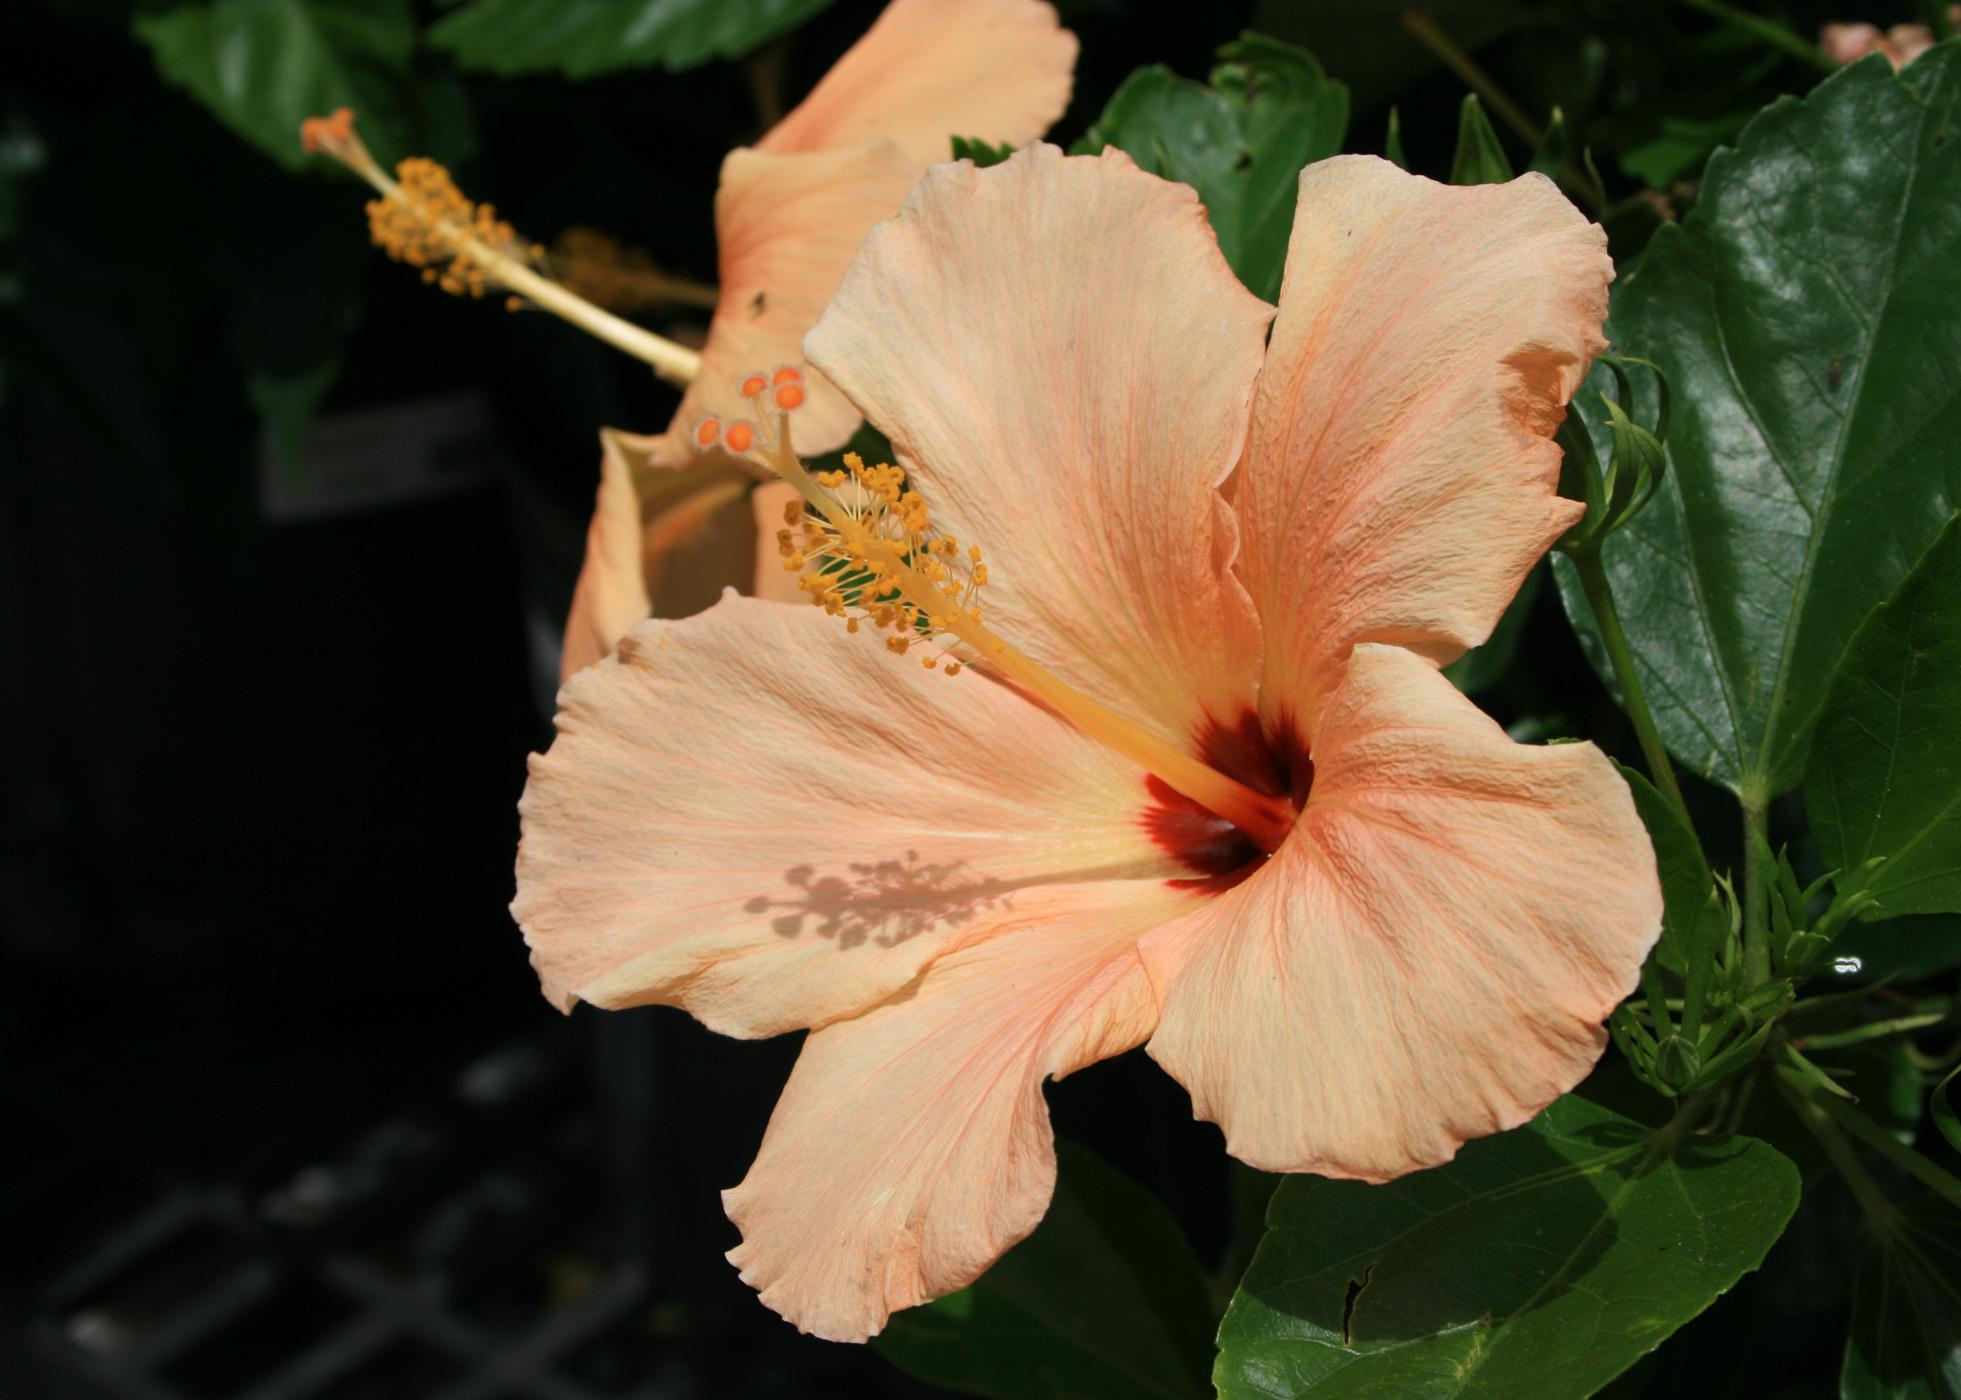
[789,214]
[1202,787]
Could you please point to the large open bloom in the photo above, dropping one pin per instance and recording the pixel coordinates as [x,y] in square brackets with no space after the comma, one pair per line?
[1201,786]
[789,214]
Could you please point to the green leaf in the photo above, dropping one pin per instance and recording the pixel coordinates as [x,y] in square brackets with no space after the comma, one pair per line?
[1542,1262]
[1240,142]
[581,38]
[1392,144]
[1882,779]
[1480,159]
[1692,913]
[263,66]
[1681,144]
[1550,159]
[1807,314]
[981,153]
[1905,1340]
[1484,666]
[1104,1301]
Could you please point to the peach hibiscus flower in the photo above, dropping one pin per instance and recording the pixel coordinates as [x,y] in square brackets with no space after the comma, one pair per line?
[1202,787]
[789,214]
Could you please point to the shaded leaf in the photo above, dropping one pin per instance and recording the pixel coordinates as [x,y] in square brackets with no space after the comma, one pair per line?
[1103,1301]
[582,38]
[263,66]
[1692,912]
[981,153]
[1480,159]
[1806,314]
[1905,1339]
[1908,948]
[1542,1262]
[1882,780]
[1240,141]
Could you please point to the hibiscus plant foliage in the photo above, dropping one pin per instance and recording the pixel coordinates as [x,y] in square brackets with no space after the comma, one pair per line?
[1765,589]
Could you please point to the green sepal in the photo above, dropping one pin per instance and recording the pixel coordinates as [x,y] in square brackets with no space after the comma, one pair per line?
[1479,159]
[1392,144]
[1615,494]
[982,153]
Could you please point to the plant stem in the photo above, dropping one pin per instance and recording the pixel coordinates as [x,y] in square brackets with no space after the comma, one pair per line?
[1600,597]
[1769,31]
[1871,1198]
[1756,893]
[1943,1183]
[1419,23]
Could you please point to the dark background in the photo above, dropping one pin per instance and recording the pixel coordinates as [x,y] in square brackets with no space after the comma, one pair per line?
[258,815]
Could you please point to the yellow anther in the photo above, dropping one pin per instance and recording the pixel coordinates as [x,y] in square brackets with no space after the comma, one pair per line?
[929,662]
[897,645]
[952,668]
[793,511]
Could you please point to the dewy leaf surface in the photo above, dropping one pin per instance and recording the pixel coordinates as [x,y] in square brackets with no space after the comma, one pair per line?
[1105,1301]
[1885,771]
[582,38]
[1542,1262]
[1808,316]
[263,66]
[1240,142]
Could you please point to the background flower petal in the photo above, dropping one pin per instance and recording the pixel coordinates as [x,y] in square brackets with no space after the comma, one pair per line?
[912,1147]
[787,226]
[1431,955]
[645,519]
[1400,476]
[758,817]
[930,70]
[1064,363]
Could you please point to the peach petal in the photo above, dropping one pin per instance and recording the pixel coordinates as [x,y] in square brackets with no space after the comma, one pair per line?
[757,817]
[644,520]
[1400,476]
[912,1147]
[1431,955]
[772,580]
[930,70]
[787,227]
[1064,363]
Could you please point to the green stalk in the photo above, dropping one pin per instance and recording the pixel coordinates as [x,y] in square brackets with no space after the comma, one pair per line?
[1843,1115]
[1756,893]
[1872,1199]
[1769,31]
[1600,597]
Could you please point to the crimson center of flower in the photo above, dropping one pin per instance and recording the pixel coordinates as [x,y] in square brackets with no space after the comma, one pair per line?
[1219,854]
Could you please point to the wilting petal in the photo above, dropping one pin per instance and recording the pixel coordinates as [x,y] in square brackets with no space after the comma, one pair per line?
[787,226]
[912,1146]
[758,817]
[1429,957]
[1400,475]
[646,518]
[1064,362]
[930,70]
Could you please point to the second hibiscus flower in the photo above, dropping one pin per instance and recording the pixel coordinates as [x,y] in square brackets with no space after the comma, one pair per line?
[1202,788]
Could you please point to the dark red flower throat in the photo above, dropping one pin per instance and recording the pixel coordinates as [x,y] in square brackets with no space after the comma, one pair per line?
[1219,854]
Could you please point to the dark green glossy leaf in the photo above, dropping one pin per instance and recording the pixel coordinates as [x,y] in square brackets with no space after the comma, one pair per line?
[581,38]
[1905,1340]
[1479,159]
[1883,778]
[1542,1262]
[981,153]
[1679,146]
[1103,1302]
[1240,141]
[1807,315]
[1482,667]
[264,66]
